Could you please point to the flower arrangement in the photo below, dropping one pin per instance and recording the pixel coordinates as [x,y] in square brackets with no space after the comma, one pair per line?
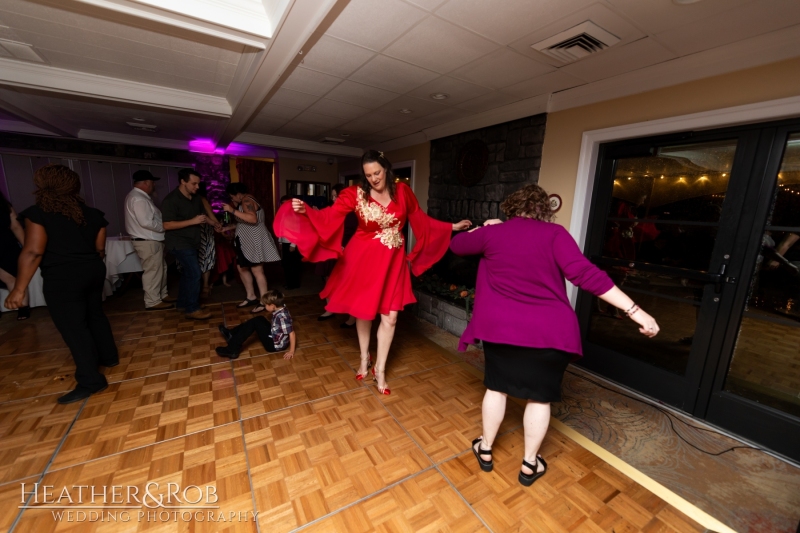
[459,294]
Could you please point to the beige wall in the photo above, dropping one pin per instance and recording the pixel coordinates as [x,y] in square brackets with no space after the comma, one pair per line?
[562,142]
[420,154]
[287,171]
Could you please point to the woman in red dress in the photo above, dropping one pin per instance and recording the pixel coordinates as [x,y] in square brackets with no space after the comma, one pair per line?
[372,274]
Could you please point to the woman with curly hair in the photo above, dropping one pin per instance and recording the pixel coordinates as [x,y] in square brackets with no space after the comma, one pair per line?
[372,275]
[67,239]
[524,318]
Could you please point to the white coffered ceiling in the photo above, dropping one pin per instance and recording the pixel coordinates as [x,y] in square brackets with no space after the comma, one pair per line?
[346,68]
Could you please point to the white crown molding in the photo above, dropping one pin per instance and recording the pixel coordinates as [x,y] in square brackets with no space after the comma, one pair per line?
[138,140]
[753,52]
[42,77]
[298,145]
[16,126]
[248,16]
[186,22]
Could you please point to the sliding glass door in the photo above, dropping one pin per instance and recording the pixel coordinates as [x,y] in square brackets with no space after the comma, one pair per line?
[700,229]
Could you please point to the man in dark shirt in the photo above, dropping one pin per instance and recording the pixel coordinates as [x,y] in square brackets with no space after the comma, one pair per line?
[183,213]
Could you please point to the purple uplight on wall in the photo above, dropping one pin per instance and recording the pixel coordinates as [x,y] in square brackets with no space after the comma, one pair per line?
[205,146]
[215,171]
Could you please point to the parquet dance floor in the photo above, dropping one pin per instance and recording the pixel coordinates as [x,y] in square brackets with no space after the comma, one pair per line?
[283,444]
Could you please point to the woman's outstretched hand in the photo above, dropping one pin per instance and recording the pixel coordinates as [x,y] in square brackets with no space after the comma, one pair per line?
[464,224]
[492,222]
[298,205]
[648,324]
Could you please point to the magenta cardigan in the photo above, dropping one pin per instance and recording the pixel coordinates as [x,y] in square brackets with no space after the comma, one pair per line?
[521,296]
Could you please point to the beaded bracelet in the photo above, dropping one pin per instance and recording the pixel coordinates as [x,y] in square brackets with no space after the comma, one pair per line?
[630,312]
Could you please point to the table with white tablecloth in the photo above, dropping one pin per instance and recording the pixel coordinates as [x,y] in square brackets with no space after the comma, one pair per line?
[120,259]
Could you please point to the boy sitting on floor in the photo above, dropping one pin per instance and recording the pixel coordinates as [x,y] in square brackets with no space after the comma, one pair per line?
[275,336]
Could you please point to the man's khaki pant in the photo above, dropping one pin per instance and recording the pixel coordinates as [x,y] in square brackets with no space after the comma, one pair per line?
[154,278]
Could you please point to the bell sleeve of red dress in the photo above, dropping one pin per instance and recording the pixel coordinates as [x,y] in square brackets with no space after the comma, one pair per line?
[433,236]
[316,233]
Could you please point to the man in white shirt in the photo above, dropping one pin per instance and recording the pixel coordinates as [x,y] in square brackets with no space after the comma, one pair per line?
[143,223]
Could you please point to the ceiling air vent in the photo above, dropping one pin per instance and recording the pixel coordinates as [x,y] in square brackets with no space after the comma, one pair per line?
[331,140]
[576,43]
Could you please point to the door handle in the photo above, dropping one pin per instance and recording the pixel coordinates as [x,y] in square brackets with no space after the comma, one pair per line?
[723,278]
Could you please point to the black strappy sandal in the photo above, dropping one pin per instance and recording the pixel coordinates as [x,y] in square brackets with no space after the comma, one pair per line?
[247,303]
[486,466]
[528,479]
[24,313]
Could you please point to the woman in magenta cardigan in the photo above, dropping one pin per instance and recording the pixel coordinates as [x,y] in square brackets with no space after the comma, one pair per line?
[523,316]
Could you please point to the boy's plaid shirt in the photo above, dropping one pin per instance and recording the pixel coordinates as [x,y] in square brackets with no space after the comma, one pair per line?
[281,327]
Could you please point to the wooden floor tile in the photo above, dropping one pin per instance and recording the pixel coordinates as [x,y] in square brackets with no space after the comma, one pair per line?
[10,501]
[423,503]
[30,431]
[313,459]
[441,409]
[36,334]
[147,356]
[409,353]
[150,323]
[215,457]
[332,329]
[270,382]
[36,374]
[141,412]
[579,492]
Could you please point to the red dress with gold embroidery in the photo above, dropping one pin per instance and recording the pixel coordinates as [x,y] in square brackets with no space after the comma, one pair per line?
[371,275]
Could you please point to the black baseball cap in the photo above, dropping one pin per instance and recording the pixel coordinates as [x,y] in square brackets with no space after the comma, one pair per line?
[143,175]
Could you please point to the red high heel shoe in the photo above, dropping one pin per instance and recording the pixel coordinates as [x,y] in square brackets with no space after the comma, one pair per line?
[360,377]
[385,390]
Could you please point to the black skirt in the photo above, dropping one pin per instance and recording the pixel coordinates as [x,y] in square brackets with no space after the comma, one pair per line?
[241,260]
[530,373]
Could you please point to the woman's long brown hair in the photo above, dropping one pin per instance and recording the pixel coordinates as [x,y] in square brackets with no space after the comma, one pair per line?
[57,189]
[374,156]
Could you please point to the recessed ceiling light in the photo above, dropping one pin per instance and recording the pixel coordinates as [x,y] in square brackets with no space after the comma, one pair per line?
[404,111]
[440,96]
[138,119]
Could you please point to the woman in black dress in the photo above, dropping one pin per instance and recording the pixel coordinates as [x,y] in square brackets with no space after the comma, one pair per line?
[67,239]
[11,237]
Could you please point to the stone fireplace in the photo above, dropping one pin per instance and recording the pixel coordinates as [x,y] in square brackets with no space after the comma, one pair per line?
[514,155]
[471,174]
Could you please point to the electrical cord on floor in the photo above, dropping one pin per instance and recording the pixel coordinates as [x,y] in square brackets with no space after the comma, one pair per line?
[670,417]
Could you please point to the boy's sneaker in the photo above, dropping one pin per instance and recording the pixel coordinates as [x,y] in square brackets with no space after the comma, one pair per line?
[226,333]
[227,351]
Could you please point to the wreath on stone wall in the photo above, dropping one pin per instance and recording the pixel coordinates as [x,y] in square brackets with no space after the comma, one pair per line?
[472,162]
